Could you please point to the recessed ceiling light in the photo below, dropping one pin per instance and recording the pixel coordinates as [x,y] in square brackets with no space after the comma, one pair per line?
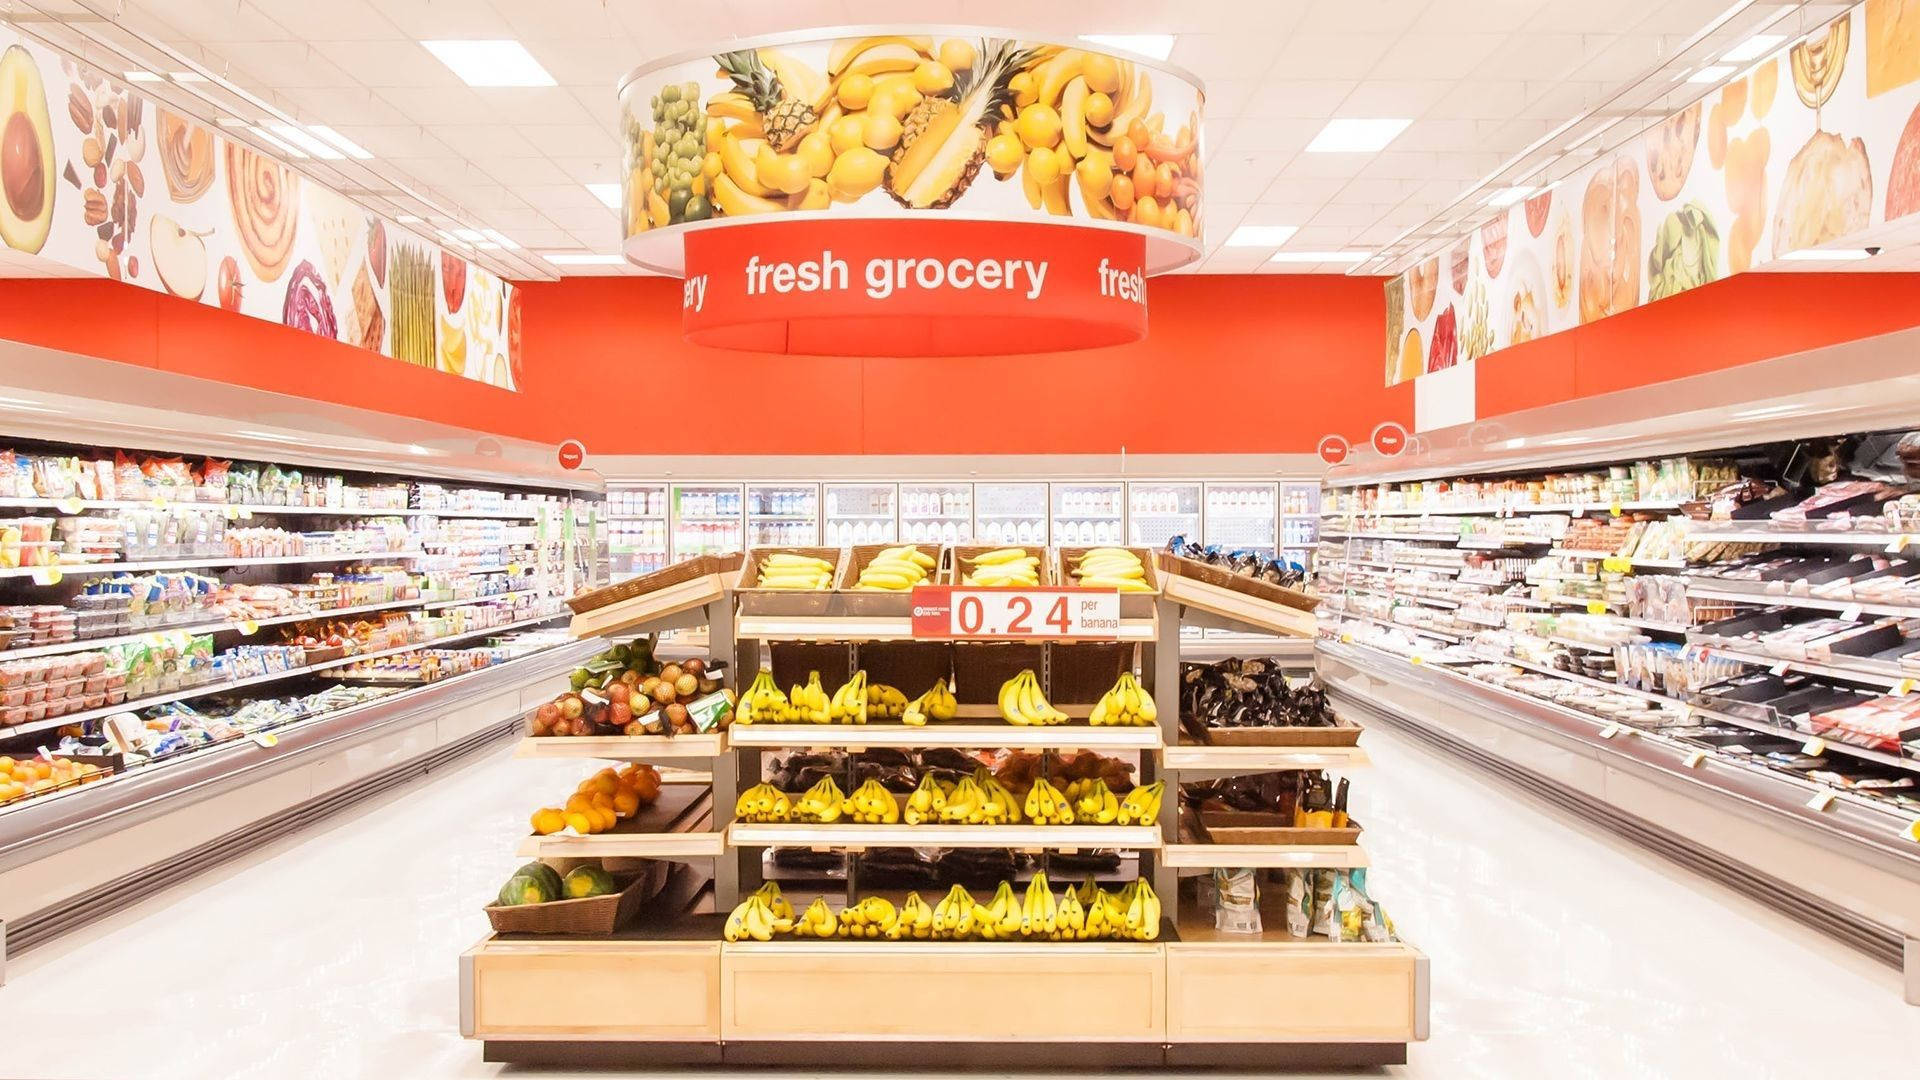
[1356,135]
[581,258]
[1507,196]
[1320,257]
[142,75]
[501,239]
[1158,46]
[277,142]
[352,149]
[1753,48]
[606,193]
[502,62]
[1712,73]
[1261,235]
[186,76]
[1828,254]
[304,141]
[471,236]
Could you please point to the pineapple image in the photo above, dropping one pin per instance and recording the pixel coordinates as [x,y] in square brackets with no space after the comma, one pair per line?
[944,139]
[784,118]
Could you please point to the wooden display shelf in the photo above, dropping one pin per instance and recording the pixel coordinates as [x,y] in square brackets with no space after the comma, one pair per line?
[1298,856]
[674,827]
[1244,759]
[623,747]
[589,990]
[856,837]
[974,736]
[882,628]
[640,612]
[1239,607]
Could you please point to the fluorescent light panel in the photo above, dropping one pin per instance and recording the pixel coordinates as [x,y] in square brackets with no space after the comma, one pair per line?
[1828,255]
[500,239]
[187,76]
[1507,196]
[142,75]
[1712,73]
[581,258]
[352,149]
[1320,256]
[1261,235]
[408,219]
[1158,46]
[277,142]
[1753,48]
[1357,135]
[305,141]
[502,62]
[606,193]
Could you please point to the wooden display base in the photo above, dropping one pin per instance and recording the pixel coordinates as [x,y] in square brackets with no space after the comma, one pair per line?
[1239,607]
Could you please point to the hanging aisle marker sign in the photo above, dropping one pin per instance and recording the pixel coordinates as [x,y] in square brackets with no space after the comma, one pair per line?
[1333,449]
[1389,439]
[953,611]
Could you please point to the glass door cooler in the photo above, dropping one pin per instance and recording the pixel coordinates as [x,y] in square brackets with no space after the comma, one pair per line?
[861,514]
[1010,514]
[936,513]
[636,529]
[706,518]
[1089,512]
[783,515]
[1242,516]
[1158,511]
[1299,521]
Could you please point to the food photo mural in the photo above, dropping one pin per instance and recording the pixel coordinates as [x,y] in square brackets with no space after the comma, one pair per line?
[1806,148]
[101,179]
[902,123]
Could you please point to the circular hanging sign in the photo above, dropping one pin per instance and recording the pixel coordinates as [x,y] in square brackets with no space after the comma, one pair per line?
[572,453]
[975,130]
[1390,439]
[1333,449]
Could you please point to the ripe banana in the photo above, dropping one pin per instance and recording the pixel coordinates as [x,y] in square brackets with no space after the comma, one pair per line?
[1126,704]
[1082,913]
[1142,804]
[896,569]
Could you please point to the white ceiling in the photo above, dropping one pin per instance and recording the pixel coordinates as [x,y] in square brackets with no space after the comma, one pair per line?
[1483,80]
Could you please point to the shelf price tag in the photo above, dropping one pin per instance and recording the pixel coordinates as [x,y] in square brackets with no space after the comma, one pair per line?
[247,627]
[246,513]
[1614,509]
[1851,612]
[1814,747]
[233,513]
[1913,831]
[70,505]
[47,575]
[1694,759]
[1821,800]
[1778,669]
[266,740]
[1902,688]
[1596,607]
[159,502]
[1616,564]
[1611,731]
[1899,542]
[948,611]
[1416,659]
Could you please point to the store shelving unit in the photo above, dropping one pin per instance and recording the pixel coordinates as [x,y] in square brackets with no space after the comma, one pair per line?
[860,514]
[1243,515]
[1179,999]
[1158,511]
[1089,513]
[1010,513]
[638,535]
[936,513]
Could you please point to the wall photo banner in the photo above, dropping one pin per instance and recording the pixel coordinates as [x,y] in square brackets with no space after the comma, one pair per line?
[1811,146]
[101,179]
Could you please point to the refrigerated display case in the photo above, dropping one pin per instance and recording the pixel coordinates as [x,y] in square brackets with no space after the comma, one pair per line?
[1299,521]
[783,514]
[1158,511]
[1242,516]
[1010,513]
[706,518]
[1089,512]
[936,513]
[860,514]
[636,530]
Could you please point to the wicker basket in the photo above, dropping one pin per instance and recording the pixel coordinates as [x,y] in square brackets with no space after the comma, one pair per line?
[1240,583]
[595,916]
[1344,735]
[685,570]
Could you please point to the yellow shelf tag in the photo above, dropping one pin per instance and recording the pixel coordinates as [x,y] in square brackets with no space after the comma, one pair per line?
[1616,564]
[1610,731]
[233,513]
[1814,747]
[159,502]
[47,575]
[248,628]
[1821,800]
[513,568]
[246,513]
[71,505]
[1615,508]
[1903,688]
[266,740]
[1899,542]
[1596,607]
[1694,759]
[1416,658]
[1913,831]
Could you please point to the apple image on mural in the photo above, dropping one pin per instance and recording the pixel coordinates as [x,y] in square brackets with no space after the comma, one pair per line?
[179,257]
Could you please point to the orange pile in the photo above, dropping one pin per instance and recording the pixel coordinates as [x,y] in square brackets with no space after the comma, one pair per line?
[602,801]
[32,776]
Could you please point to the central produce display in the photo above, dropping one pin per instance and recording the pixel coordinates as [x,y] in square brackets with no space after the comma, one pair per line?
[868,804]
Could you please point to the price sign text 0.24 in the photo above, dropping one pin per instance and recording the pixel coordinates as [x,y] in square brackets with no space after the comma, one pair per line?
[945,611]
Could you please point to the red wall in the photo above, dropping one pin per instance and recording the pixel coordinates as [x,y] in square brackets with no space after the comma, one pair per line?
[1242,364]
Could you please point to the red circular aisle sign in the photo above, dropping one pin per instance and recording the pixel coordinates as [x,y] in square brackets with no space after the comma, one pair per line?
[1389,439]
[1333,449]
[904,287]
[572,453]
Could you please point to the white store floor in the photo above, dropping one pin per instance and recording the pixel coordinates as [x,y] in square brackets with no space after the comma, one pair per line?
[1555,950]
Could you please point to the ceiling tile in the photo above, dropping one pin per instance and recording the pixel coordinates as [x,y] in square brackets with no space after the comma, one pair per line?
[552,20]
[518,172]
[485,142]
[393,141]
[426,20]
[1330,56]
[567,196]
[388,63]
[305,20]
[1230,56]
[281,63]
[435,105]
[1437,56]
[1273,134]
[569,140]
[604,169]
[1242,177]
[1411,98]
[1228,97]
[342,106]
[1318,98]
[196,21]
[534,105]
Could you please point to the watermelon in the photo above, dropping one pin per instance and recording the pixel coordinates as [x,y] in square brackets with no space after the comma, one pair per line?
[546,875]
[521,889]
[584,881]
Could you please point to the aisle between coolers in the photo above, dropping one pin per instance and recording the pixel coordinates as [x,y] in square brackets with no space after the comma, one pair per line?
[1556,950]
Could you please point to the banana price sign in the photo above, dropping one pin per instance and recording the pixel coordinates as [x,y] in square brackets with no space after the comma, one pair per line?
[903,287]
[952,611]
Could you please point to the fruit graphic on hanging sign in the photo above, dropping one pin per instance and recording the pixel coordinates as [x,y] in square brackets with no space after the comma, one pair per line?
[453,280]
[229,284]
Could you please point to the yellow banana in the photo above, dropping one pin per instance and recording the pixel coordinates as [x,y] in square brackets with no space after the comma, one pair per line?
[736,164]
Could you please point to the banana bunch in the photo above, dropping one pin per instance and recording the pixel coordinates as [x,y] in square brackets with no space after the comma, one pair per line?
[777,903]
[822,804]
[762,703]
[1022,703]
[979,800]
[1141,912]
[885,702]
[1111,568]
[1046,806]
[1004,566]
[872,917]
[808,704]
[926,802]
[1142,804]
[849,704]
[895,569]
[1093,802]
[936,704]
[802,573]
[1000,919]
[1126,705]
[915,920]
[872,804]
[817,921]
[1039,911]
[762,803]
[953,916]
[758,916]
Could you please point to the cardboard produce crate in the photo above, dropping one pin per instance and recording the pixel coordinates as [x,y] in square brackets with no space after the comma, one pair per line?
[1133,605]
[755,600]
[794,660]
[1080,673]
[957,561]
[908,666]
[893,604]
[979,668]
